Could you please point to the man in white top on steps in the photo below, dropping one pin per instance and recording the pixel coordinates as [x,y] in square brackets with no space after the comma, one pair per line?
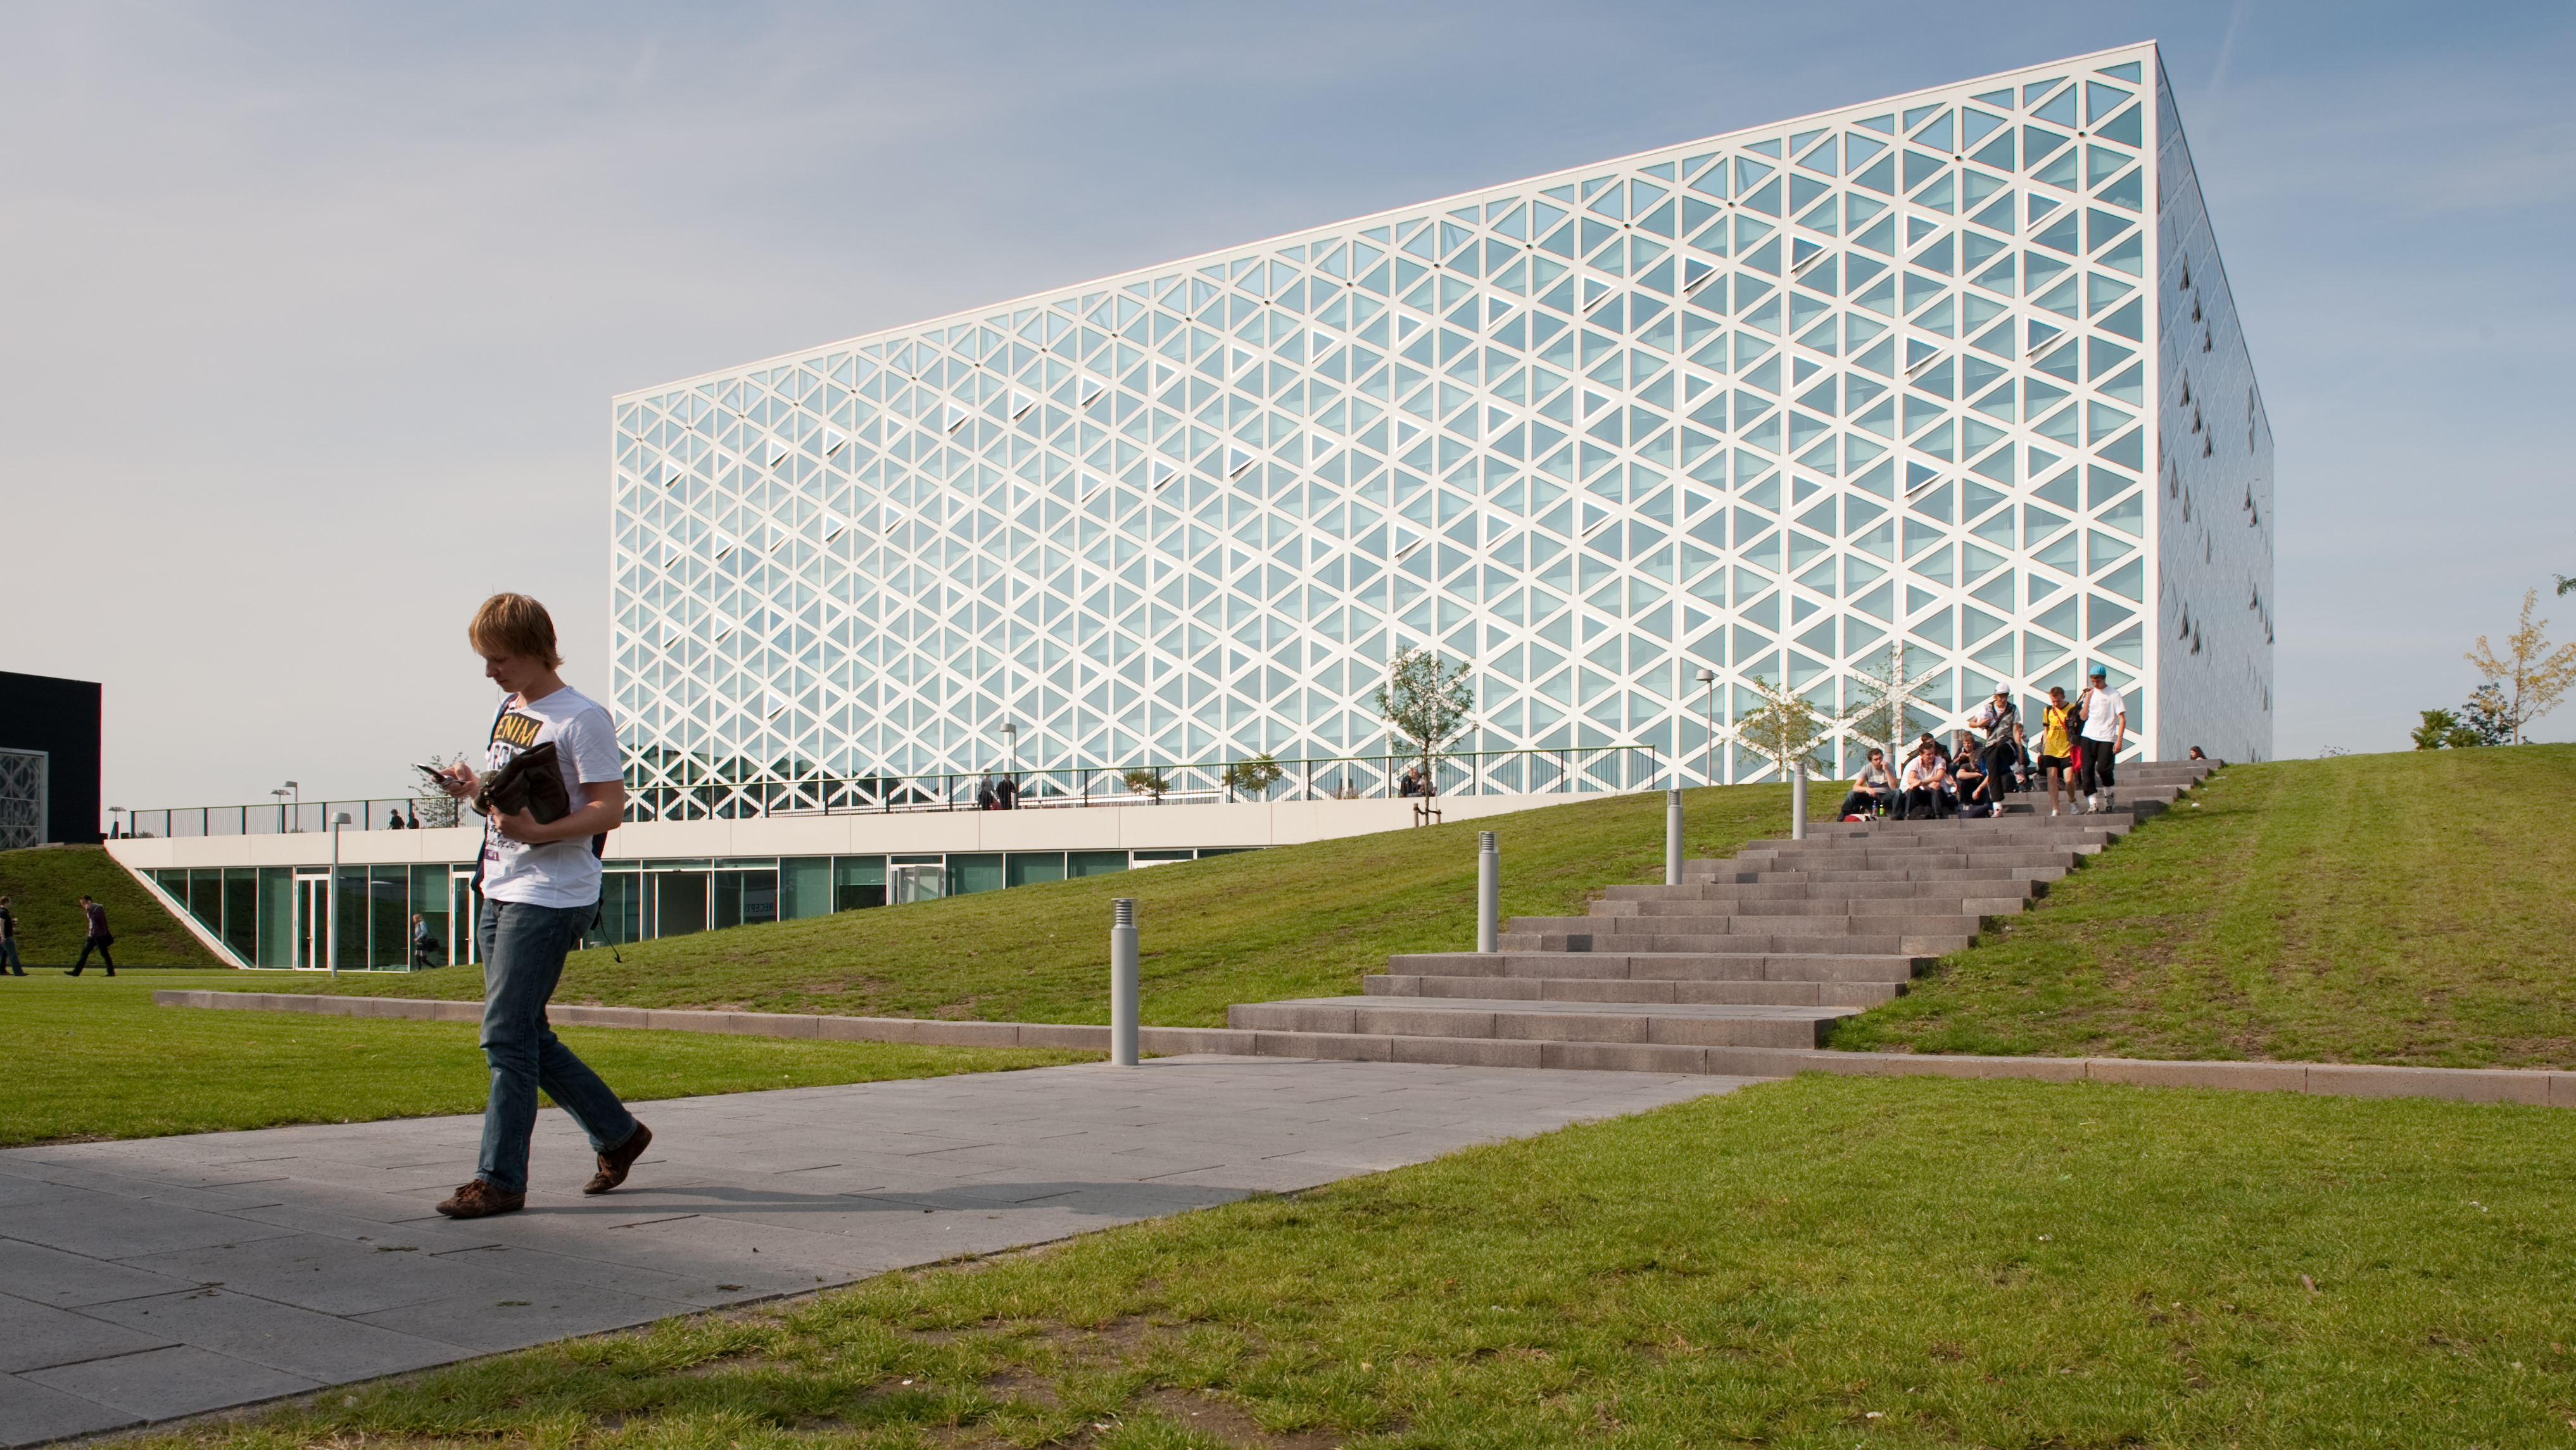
[2106,729]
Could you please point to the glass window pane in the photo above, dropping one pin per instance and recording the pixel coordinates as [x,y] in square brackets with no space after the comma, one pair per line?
[971,873]
[1029,867]
[804,887]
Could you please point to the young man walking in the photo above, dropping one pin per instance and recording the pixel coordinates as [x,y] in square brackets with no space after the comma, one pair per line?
[2106,729]
[98,940]
[540,891]
[9,962]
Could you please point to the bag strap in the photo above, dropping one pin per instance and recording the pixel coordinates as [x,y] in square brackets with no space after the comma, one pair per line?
[485,854]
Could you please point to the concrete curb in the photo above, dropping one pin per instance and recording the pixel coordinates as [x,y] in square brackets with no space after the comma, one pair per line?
[2531,1087]
[1076,1036]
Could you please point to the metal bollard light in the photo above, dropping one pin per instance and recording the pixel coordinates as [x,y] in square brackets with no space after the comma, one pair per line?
[1489,892]
[1798,803]
[1672,838]
[1122,982]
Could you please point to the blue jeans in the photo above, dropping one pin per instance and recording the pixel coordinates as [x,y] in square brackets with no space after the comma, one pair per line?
[9,956]
[523,956]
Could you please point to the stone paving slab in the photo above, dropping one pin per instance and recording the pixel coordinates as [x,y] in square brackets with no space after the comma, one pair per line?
[157,1278]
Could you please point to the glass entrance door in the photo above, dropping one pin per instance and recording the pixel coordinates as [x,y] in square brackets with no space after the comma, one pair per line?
[312,922]
[917,883]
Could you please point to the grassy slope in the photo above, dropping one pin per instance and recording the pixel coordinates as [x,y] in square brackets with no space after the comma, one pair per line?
[1820,1262]
[1288,922]
[2405,908]
[95,1059]
[43,887]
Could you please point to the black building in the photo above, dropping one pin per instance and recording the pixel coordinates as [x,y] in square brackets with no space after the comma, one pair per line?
[49,760]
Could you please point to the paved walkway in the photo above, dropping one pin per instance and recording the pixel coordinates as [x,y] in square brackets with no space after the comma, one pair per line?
[145,1280]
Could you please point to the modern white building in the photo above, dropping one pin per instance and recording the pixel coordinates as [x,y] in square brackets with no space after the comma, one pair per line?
[1956,371]
[1955,374]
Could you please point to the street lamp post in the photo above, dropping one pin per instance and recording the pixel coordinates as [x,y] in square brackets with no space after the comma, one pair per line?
[297,822]
[282,823]
[1011,741]
[331,895]
[1708,744]
[116,827]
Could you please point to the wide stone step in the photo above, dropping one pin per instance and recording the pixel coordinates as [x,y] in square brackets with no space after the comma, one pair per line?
[1946,874]
[1651,899]
[1723,966]
[1835,924]
[1670,1024]
[1949,903]
[1777,944]
[1595,989]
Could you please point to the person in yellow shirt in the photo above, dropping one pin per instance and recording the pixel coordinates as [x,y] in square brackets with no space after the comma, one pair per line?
[2056,747]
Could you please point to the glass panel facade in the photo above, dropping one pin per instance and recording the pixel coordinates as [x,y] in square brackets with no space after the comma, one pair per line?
[254,909]
[858,881]
[1715,407]
[804,887]
[973,873]
[1027,867]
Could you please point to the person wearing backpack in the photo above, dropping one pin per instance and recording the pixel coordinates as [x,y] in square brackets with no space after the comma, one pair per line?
[555,749]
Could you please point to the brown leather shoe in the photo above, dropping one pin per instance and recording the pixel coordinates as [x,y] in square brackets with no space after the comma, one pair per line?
[479,1199]
[614,1163]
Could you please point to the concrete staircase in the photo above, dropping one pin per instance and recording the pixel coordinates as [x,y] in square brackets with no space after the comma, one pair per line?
[1762,950]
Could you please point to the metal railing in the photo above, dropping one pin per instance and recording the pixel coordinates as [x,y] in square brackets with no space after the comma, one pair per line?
[275,819]
[1574,770]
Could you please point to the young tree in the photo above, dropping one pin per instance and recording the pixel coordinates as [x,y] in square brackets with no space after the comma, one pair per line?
[1147,781]
[2487,719]
[436,808]
[1424,702]
[1252,777]
[2443,730]
[1785,726]
[1878,715]
[2530,675]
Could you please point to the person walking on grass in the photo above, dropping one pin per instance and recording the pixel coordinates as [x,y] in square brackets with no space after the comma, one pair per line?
[2106,729]
[98,940]
[9,962]
[539,884]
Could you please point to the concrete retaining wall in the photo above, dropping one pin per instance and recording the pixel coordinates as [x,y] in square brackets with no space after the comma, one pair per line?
[1078,1036]
[2477,1085]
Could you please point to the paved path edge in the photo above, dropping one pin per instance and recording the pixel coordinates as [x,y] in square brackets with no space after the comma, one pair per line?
[2530,1087]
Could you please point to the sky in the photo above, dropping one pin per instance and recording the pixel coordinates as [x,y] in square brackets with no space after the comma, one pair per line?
[310,315]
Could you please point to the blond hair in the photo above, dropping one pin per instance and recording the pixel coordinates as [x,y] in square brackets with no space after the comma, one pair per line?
[514,624]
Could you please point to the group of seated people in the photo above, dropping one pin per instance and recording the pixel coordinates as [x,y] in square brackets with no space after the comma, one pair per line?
[1971,777]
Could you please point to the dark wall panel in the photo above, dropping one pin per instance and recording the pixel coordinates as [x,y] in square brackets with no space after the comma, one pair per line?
[61,718]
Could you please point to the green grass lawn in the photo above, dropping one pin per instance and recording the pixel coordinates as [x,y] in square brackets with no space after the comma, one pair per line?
[93,1058]
[44,887]
[2411,908]
[1293,921]
[1820,1262]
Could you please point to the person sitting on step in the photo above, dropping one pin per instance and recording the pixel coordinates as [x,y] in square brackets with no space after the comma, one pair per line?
[1873,790]
[1968,774]
[1927,784]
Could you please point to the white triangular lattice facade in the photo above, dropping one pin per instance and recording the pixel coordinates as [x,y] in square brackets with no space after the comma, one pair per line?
[1957,372]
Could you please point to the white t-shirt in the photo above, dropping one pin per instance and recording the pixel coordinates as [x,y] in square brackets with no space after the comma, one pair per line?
[558,873]
[2102,711]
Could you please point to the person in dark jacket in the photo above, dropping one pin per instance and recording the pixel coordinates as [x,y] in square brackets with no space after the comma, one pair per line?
[9,942]
[98,940]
